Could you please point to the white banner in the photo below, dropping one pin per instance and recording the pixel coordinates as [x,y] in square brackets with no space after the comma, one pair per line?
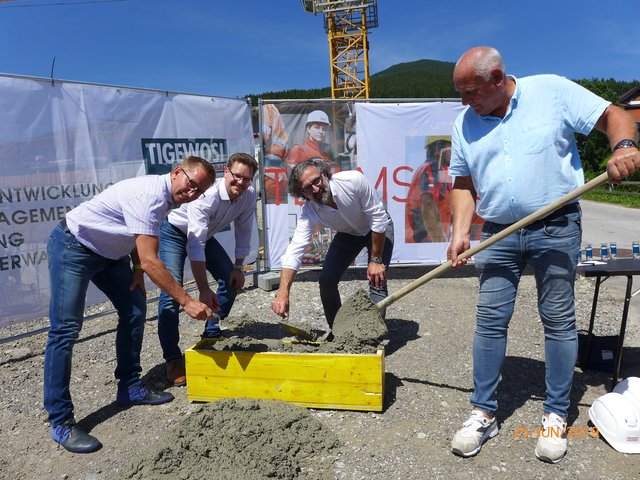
[402,148]
[61,144]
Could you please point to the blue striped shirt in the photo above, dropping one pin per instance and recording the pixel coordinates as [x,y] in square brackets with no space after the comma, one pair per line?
[107,224]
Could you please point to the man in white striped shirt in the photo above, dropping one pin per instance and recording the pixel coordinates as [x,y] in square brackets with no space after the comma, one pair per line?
[346,203]
[189,232]
[111,240]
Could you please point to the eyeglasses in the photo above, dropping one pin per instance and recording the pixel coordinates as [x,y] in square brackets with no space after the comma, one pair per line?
[193,186]
[240,178]
[315,183]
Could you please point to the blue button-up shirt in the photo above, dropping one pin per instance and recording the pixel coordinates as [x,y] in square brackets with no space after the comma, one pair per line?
[529,158]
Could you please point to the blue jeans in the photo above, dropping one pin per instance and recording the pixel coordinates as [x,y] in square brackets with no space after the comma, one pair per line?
[550,247]
[173,253]
[71,267]
[342,252]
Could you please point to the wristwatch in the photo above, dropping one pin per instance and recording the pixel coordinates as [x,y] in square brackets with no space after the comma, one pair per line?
[237,266]
[625,143]
[376,259]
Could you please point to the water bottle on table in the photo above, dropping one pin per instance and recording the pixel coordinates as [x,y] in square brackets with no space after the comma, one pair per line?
[604,252]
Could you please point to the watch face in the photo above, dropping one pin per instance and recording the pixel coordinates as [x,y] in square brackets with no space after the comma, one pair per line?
[626,143]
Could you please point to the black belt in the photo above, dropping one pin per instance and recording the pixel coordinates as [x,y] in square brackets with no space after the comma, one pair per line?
[566,210]
[561,212]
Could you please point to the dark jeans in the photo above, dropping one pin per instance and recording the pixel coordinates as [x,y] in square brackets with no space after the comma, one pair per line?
[342,252]
[71,267]
[173,253]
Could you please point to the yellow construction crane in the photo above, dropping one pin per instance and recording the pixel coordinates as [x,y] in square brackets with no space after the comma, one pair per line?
[346,23]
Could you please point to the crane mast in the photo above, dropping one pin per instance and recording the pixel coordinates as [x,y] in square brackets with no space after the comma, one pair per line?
[346,23]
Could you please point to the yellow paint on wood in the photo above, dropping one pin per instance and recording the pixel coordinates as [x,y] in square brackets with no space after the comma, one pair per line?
[314,380]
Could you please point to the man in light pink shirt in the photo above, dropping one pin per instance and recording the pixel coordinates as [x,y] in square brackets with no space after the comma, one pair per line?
[111,240]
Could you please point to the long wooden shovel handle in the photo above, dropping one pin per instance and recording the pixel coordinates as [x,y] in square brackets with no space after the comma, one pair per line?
[529,219]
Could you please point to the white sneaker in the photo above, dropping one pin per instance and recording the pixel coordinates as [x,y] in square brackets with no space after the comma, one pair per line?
[474,432]
[552,442]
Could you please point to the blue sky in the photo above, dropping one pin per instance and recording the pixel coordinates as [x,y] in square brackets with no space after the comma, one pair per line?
[233,48]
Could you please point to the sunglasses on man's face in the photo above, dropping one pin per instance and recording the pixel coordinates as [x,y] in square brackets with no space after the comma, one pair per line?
[315,183]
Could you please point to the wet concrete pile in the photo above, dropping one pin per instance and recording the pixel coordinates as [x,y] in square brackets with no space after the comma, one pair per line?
[241,439]
[358,328]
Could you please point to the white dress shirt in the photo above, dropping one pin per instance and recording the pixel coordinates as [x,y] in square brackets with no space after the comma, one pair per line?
[359,212]
[203,218]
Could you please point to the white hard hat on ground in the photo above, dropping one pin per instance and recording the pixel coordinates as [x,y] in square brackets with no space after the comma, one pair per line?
[617,416]
[630,388]
[318,116]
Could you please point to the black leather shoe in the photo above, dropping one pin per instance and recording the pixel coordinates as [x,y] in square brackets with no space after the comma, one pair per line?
[141,395]
[74,439]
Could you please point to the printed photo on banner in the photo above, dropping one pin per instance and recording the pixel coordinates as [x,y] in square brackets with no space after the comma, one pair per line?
[292,132]
[428,207]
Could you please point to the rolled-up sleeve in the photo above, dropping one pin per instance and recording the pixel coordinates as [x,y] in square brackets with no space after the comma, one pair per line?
[372,206]
[458,166]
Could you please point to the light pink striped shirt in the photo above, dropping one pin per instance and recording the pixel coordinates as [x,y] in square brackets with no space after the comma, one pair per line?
[107,223]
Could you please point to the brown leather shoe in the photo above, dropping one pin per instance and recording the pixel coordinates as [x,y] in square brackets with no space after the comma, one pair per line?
[176,373]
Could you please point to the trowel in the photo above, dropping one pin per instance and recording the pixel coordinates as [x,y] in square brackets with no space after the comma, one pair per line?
[297,332]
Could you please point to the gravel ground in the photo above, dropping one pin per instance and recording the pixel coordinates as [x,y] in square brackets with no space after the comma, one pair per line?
[427,388]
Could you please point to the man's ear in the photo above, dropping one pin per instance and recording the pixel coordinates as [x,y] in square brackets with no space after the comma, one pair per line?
[497,76]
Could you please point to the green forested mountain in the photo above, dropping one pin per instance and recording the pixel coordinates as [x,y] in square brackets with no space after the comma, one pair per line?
[419,79]
[433,79]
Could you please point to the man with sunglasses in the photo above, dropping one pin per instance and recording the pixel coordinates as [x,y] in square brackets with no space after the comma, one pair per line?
[346,203]
[112,240]
[189,232]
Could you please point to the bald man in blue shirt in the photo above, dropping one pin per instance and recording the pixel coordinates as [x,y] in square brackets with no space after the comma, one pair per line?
[514,152]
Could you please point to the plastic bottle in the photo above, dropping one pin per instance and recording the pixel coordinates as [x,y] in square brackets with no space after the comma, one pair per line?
[635,248]
[613,249]
[604,252]
[588,252]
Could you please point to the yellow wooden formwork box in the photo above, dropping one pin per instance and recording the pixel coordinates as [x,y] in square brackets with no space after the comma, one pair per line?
[313,380]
